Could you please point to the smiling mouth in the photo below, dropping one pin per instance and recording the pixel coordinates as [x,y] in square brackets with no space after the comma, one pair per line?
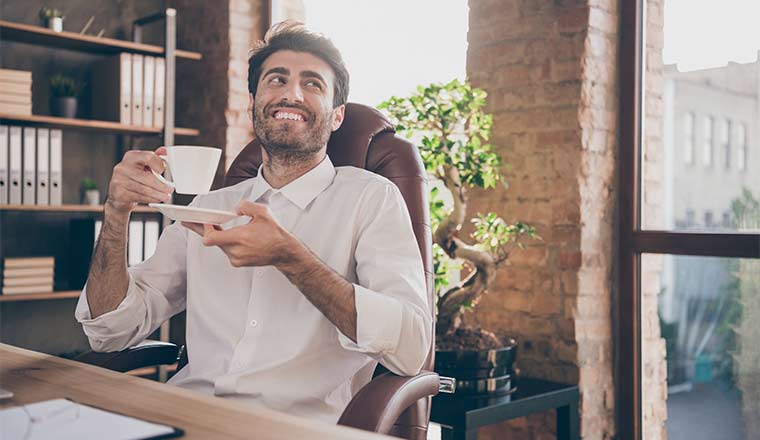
[284,115]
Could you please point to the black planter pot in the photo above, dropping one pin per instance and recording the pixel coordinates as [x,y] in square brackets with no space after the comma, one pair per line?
[479,372]
[65,107]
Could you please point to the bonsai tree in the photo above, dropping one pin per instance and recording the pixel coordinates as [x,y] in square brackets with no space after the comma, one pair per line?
[452,131]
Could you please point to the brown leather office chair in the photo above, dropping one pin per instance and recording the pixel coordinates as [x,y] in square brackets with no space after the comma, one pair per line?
[389,404]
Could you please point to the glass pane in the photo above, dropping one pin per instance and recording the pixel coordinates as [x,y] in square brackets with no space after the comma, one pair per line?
[700,351]
[701,139]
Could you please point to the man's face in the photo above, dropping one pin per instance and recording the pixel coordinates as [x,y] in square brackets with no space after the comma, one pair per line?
[293,113]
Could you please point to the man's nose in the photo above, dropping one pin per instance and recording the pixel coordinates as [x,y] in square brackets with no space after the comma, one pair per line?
[293,92]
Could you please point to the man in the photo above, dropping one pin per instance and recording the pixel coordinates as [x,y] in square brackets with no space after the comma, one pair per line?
[292,306]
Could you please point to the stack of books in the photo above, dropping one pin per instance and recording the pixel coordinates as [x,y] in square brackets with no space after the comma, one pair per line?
[28,275]
[15,92]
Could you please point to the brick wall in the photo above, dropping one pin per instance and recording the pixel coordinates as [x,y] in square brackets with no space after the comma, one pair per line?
[550,69]
[654,374]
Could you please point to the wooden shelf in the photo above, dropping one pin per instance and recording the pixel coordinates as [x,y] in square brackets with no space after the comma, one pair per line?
[40,296]
[90,125]
[25,33]
[69,208]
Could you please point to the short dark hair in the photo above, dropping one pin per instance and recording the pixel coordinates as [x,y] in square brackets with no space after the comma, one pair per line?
[291,35]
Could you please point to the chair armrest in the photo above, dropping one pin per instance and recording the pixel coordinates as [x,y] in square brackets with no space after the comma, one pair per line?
[378,405]
[146,354]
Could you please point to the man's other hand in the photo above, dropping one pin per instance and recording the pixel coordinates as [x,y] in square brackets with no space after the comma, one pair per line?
[260,242]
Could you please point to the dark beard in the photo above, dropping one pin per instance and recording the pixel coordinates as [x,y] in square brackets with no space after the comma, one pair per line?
[282,145]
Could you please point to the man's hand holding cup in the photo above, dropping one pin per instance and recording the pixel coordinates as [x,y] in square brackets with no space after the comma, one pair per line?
[133,181]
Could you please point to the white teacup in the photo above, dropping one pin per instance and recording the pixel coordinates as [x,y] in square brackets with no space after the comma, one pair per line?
[192,168]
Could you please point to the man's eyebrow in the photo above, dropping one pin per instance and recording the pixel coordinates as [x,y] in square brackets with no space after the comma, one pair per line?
[280,70]
[312,74]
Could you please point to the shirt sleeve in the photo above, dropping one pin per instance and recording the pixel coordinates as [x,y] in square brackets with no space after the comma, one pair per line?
[393,322]
[156,292]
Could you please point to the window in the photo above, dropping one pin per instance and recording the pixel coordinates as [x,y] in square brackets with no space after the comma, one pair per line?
[707,142]
[677,373]
[690,216]
[688,138]
[741,143]
[725,141]
[708,219]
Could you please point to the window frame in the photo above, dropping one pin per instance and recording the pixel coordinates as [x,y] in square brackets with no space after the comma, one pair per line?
[633,241]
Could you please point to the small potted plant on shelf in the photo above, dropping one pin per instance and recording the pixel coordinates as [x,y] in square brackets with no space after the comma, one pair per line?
[452,130]
[51,18]
[64,91]
[90,192]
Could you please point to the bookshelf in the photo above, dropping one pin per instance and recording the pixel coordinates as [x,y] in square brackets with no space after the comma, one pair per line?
[31,229]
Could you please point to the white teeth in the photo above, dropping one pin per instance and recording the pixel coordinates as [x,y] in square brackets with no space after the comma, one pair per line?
[291,116]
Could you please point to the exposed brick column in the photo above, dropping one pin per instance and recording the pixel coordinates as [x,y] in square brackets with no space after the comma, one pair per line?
[654,373]
[247,25]
[550,70]
[213,93]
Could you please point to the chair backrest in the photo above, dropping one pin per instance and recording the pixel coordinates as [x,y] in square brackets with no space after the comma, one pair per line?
[368,140]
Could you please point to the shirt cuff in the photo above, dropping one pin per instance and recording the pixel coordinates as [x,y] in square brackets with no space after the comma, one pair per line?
[113,323]
[378,323]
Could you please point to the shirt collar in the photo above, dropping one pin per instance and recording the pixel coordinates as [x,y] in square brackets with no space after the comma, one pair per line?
[302,190]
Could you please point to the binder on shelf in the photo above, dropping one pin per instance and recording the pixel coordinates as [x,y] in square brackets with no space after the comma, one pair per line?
[135,243]
[149,73]
[28,180]
[43,166]
[98,227]
[4,171]
[137,89]
[112,89]
[14,160]
[56,167]
[159,83]
[151,238]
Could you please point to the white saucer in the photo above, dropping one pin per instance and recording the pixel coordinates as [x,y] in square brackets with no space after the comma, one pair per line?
[182,213]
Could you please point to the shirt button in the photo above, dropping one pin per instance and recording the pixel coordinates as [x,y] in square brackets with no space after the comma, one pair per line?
[254,323]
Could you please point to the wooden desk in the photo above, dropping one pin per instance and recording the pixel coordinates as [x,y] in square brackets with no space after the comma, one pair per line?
[35,376]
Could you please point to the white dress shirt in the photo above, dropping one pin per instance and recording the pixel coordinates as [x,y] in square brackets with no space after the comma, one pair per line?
[251,334]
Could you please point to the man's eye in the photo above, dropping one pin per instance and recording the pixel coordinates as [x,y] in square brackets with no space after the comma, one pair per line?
[277,80]
[314,84]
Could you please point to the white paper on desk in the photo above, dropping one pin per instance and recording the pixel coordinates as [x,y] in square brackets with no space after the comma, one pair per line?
[58,422]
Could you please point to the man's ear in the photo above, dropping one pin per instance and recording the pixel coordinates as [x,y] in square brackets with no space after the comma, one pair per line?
[338,114]
[250,103]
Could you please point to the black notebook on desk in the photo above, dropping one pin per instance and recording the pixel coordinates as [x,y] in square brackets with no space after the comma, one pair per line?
[65,419]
